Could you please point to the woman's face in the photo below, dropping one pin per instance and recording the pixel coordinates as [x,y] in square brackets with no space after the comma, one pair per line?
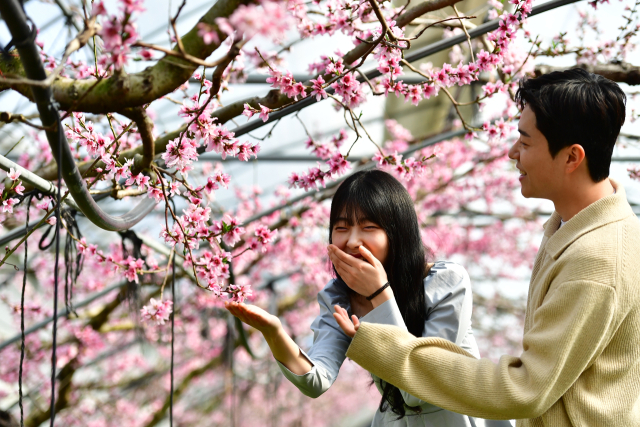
[349,237]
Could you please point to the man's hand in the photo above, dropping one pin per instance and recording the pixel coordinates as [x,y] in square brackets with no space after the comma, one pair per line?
[342,317]
[364,277]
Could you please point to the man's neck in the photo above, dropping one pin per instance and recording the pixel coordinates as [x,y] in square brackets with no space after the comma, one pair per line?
[579,197]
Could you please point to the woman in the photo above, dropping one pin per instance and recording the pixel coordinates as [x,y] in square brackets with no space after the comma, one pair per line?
[373,219]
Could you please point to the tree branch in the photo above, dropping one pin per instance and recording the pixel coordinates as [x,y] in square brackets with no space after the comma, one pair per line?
[421,9]
[145,127]
[119,92]
[621,72]
[274,99]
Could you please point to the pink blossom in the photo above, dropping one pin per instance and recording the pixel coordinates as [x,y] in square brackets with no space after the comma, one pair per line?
[239,293]
[208,33]
[13,174]
[7,205]
[317,88]
[213,182]
[414,94]
[131,6]
[44,204]
[97,8]
[157,311]
[269,19]
[338,165]
[19,188]
[246,151]
[264,112]
[248,110]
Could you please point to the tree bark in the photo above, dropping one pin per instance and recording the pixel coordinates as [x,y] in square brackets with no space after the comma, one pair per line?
[620,72]
[122,91]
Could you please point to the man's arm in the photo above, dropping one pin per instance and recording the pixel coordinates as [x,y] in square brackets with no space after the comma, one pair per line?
[570,329]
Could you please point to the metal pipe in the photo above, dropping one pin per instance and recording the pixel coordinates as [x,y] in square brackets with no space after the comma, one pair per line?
[46,187]
[47,107]
[306,158]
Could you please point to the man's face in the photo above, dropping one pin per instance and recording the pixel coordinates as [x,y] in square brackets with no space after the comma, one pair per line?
[540,175]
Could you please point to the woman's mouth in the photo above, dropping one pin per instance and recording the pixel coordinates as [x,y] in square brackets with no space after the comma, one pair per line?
[356,255]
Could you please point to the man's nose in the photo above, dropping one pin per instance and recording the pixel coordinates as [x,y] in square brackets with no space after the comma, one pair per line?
[513,151]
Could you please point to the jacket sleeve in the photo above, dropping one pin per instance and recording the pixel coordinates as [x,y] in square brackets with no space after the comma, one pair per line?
[448,304]
[329,346]
[570,329]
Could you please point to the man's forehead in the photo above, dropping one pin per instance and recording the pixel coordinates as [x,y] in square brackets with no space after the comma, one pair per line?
[527,120]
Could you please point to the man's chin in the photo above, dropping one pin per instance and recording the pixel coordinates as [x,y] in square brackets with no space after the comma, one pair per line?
[526,192]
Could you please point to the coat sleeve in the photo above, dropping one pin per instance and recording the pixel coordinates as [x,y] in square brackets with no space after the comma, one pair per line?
[329,346]
[570,329]
[448,304]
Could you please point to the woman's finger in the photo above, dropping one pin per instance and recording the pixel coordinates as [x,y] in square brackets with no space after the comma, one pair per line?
[340,310]
[343,268]
[366,254]
[356,322]
[345,324]
[342,256]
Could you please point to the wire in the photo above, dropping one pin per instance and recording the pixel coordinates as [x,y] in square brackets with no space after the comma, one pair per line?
[55,289]
[22,335]
[173,315]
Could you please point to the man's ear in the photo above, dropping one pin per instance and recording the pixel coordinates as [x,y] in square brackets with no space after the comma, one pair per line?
[575,157]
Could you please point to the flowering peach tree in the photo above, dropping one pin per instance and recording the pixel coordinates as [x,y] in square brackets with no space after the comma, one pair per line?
[116,352]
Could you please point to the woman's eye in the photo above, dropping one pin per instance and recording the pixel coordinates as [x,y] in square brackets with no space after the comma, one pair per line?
[339,228]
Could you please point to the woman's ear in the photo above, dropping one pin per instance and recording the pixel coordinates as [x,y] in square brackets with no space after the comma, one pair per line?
[575,157]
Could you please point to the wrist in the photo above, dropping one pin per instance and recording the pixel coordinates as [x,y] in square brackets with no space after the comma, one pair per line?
[384,296]
[274,333]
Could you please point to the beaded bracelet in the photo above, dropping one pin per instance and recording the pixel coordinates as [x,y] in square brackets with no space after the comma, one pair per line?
[378,292]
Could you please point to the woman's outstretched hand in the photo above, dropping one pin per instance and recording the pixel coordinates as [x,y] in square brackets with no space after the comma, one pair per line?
[363,276]
[342,317]
[284,349]
[254,316]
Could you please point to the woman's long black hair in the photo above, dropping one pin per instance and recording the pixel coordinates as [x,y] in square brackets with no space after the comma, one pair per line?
[378,197]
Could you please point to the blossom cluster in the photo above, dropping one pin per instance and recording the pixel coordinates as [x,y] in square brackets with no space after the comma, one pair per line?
[130,267]
[119,32]
[157,311]
[268,19]
[86,136]
[406,168]
[16,186]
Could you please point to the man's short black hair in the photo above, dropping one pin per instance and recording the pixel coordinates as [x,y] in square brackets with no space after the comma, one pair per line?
[577,107]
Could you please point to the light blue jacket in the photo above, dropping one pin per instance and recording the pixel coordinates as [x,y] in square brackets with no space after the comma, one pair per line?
[448,305]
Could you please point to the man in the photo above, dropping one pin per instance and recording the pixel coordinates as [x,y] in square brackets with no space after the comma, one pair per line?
[580,364]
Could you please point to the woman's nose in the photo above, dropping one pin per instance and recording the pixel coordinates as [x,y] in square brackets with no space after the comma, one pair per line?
[355,240]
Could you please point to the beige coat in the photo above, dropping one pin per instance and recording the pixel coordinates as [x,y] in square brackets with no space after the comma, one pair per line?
[580,364]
